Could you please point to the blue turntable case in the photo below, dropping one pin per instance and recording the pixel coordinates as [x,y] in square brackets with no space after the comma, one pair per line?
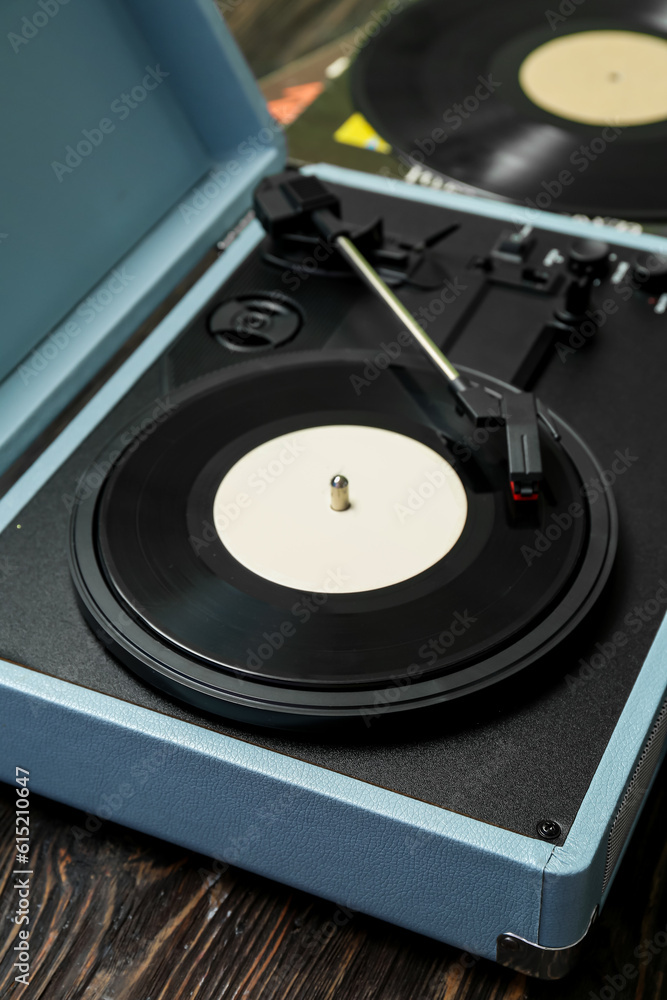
[133,139]
[132,134]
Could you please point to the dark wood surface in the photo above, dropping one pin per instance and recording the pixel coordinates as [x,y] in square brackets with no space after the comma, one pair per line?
[273,33]
[122,916]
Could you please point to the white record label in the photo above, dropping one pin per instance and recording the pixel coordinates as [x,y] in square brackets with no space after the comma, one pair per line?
[599,77]
[407,509]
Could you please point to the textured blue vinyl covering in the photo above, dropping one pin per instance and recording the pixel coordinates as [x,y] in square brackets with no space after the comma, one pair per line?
[133,134]
[363,847]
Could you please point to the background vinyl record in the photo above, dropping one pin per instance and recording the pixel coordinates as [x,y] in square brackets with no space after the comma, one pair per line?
[563,113]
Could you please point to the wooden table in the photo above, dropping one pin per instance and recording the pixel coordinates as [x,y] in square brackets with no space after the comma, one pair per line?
[273,33]
[122,916]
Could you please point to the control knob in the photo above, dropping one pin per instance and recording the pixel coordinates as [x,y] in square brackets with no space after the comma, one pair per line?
[649,273]
[589,258]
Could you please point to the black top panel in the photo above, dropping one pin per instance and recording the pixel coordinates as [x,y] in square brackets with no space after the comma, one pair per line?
[528,751]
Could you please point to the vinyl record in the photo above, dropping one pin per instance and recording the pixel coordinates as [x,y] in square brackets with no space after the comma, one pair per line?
[564,112]
[441,585]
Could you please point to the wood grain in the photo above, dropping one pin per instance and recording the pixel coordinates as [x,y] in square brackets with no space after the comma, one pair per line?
[273,34]
[121,916]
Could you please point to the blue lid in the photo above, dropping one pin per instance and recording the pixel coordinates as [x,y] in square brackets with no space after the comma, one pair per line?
[133,134]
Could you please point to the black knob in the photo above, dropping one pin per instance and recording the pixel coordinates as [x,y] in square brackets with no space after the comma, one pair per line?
[576,301]
[589,257]
[649,273]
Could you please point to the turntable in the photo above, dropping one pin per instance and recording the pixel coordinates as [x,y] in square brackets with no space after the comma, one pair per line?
[365,537]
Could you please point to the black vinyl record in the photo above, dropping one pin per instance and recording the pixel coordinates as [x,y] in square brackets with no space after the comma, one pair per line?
[441,83]
[176,606]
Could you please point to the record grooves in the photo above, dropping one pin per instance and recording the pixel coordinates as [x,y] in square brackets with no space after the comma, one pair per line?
[179,609]
[461,106]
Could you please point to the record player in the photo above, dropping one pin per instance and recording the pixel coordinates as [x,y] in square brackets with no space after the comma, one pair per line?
[352,572]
